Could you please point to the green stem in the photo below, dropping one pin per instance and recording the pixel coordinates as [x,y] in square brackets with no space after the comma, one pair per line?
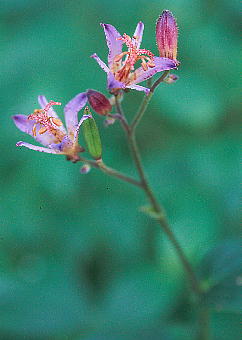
[159,80]
[161,217]
[121,115]
[121,118]
[117,174]
[141,111]
[110,171]
[203,319]
[146,101]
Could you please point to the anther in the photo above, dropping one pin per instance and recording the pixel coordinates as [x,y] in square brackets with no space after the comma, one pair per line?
[34,130]
[42,130]
[56,121]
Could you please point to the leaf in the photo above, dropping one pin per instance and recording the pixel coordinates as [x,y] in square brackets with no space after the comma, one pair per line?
[221,276]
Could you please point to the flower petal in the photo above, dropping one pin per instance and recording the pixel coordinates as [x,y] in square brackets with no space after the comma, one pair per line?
[114,45]
[61,147]
[139,88]
[84,117]
[161,64]
[138,34]
[113,83]
[51,112]
[25,125]
[36,148]
[100,62]
[71,111]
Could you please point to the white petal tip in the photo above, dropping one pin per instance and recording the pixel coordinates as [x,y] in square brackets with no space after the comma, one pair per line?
[19,143]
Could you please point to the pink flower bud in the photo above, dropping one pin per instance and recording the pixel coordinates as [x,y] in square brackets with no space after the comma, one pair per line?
[99,102]
[171,78]
[166,35]
[109,121]
[85,169]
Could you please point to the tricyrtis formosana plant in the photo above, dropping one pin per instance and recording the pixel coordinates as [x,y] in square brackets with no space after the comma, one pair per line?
[128,65]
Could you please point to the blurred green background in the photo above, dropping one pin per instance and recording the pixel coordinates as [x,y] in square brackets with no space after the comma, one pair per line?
[78,259]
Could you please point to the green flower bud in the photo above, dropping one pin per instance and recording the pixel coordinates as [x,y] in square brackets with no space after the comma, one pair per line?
[91,136]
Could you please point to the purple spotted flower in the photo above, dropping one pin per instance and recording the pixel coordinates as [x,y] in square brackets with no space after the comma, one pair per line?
[121,71]
[47,129]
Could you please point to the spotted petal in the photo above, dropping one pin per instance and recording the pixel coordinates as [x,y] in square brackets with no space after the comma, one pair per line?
[113,83]
[100,62]
[114,45]
[36,148]
[138,34]
[25,125]
[61,147]
[71,111]
[139,88]
[161,64]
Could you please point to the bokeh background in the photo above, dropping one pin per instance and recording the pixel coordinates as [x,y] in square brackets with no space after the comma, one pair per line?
[78,259]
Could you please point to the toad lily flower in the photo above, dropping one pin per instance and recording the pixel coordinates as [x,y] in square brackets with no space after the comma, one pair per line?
[47,129]
[121,72]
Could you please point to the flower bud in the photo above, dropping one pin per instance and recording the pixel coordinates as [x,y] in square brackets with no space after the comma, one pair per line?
[99,102]
[171,78]
[85,169]
[109,121]
[113,99]
[91,136]
[166,35]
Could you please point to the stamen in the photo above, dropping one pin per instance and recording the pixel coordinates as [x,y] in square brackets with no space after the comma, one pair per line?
[132,56]
[56,121]
[144,66]
[120,56]
[34,130]
[47,123]
[42,130]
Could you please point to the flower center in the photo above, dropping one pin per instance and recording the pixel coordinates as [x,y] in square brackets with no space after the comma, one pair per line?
[48,124]
[131,57]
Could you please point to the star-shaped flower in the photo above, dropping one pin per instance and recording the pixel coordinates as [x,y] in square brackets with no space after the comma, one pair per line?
[47,129]
[121,71]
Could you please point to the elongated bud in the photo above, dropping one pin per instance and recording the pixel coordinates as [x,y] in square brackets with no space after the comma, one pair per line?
[91,136]
[166,35]
[99,102]
[171,78]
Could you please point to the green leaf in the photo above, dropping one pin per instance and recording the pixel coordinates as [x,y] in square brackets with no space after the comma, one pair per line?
[220,273]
